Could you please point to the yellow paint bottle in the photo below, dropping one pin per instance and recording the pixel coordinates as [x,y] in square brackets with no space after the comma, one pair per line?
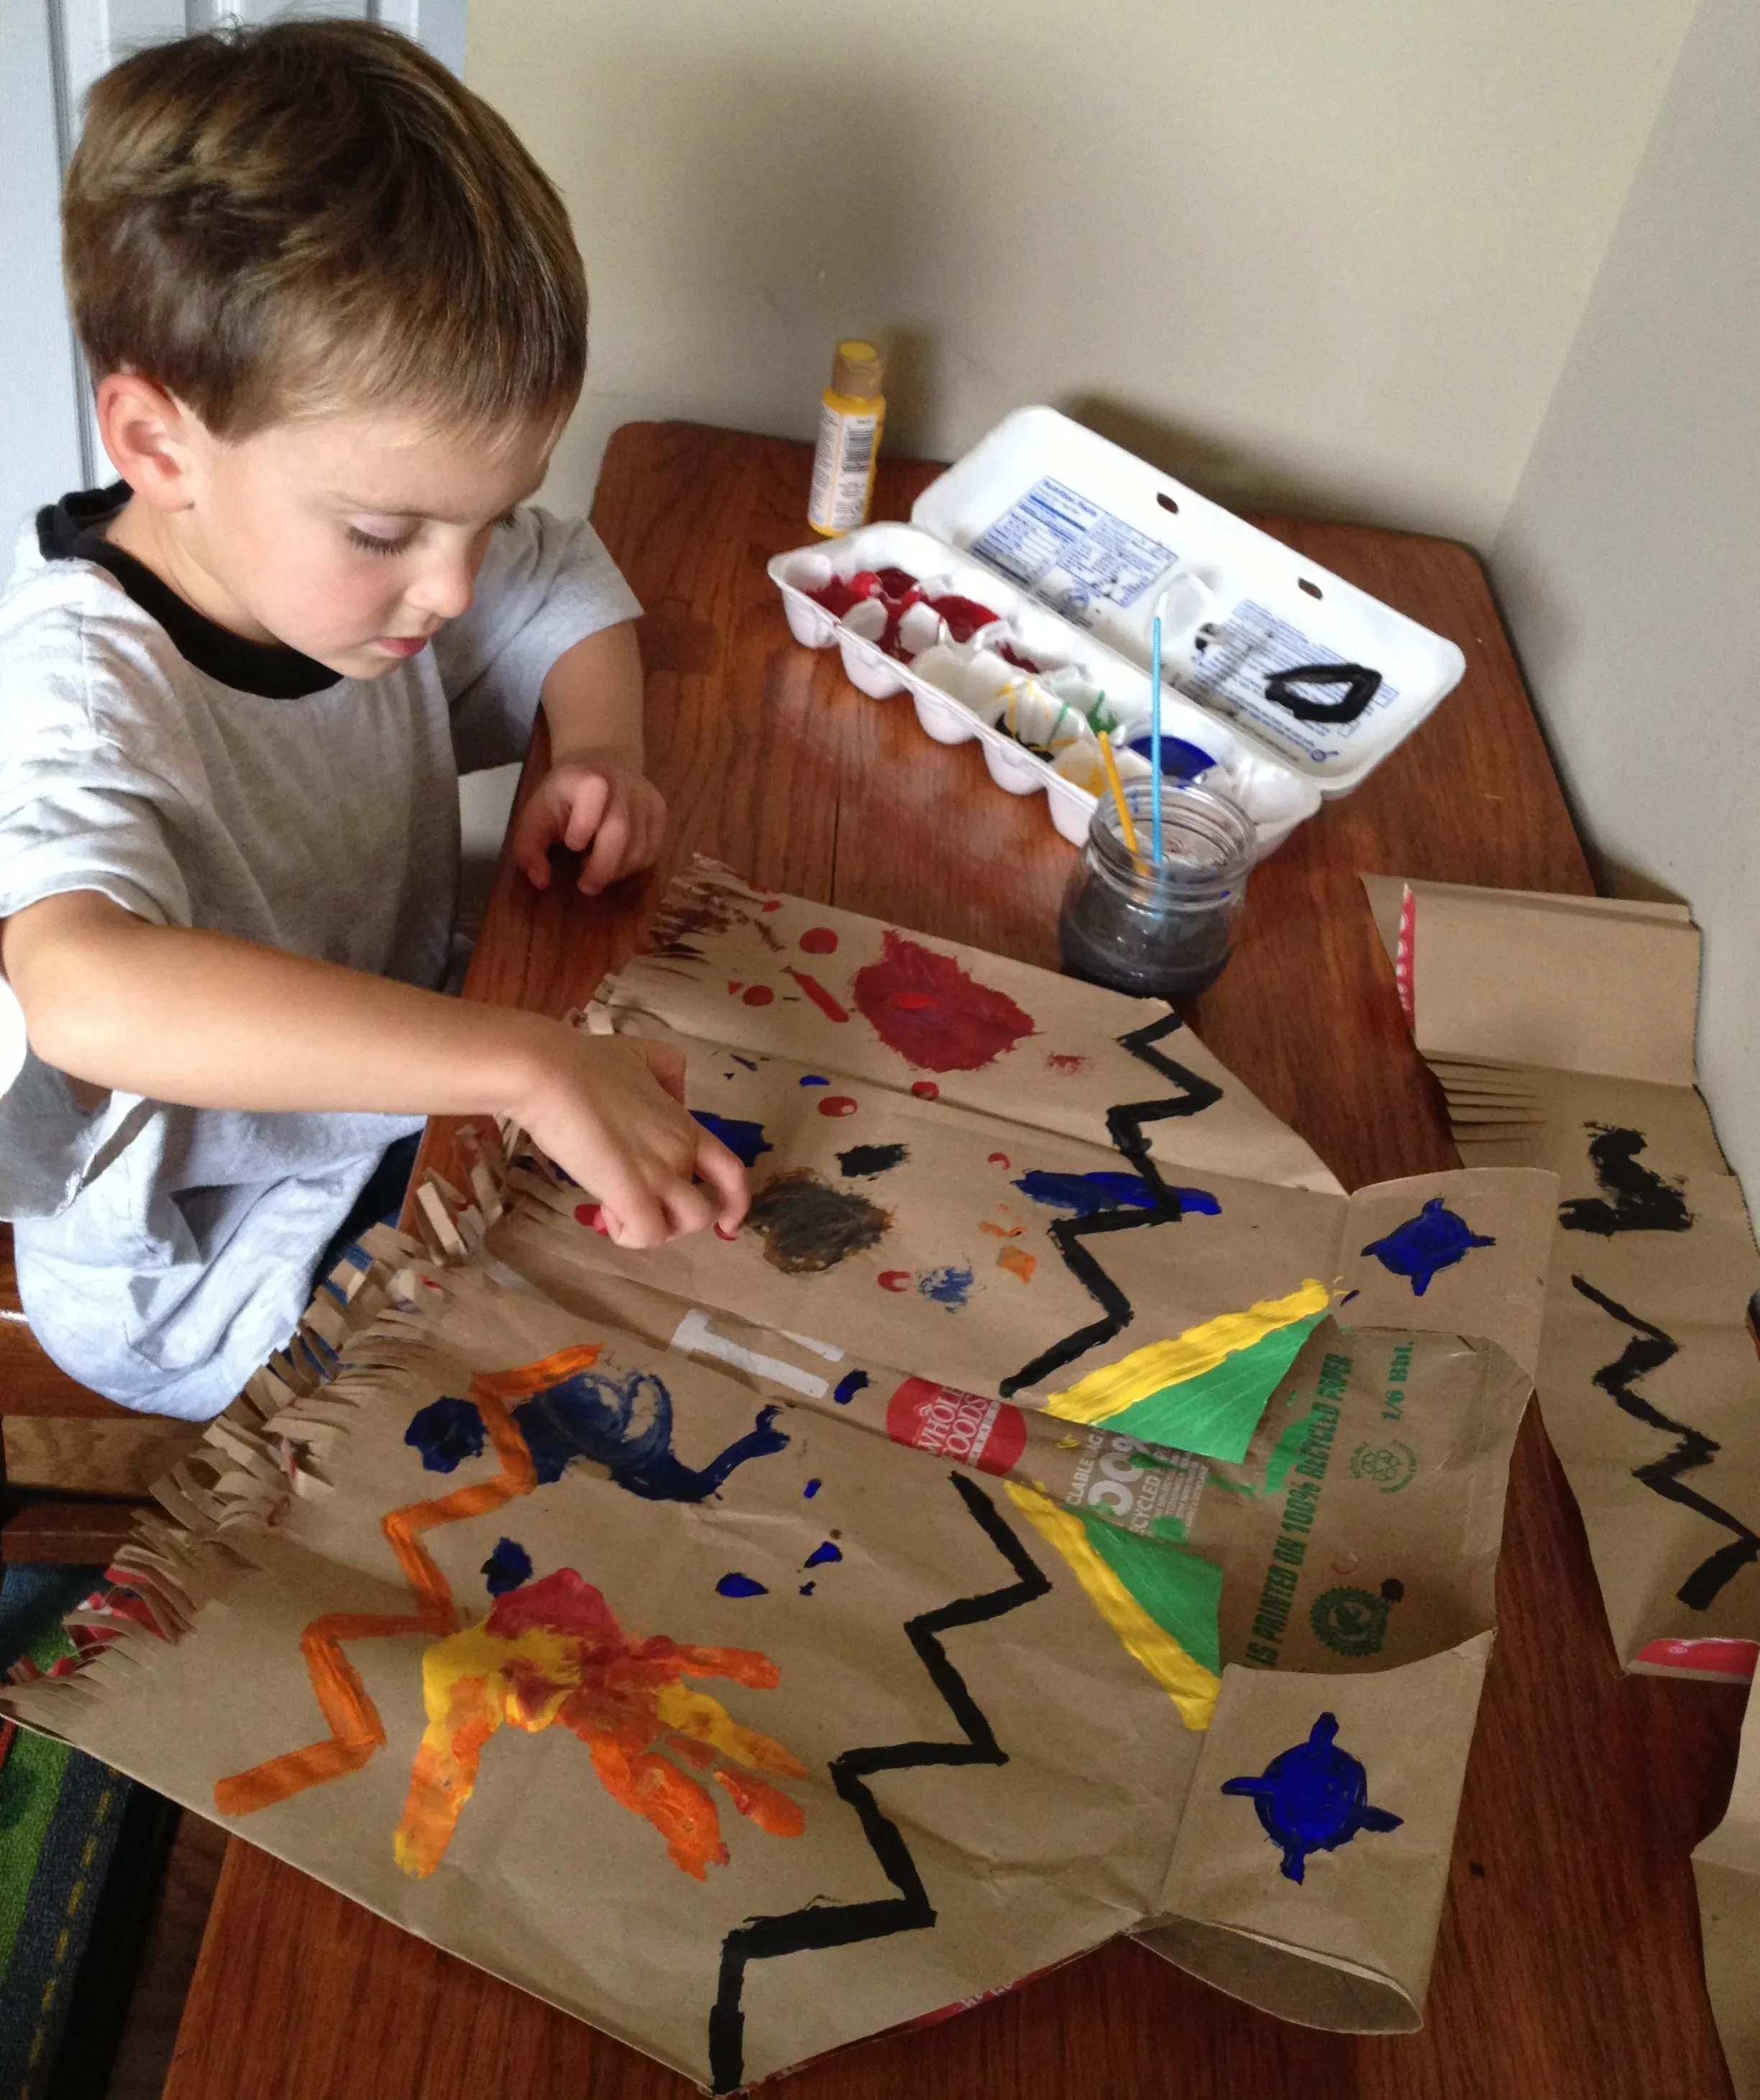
[852,410]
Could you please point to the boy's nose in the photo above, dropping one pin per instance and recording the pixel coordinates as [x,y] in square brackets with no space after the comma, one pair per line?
[445,590]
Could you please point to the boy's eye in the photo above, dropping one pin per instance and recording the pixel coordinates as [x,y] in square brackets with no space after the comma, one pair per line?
[371,544]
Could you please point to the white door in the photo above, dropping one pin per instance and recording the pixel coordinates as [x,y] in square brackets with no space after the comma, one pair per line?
[51,52]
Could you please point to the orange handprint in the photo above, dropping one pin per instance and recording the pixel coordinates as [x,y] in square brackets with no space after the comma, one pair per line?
[551,1651]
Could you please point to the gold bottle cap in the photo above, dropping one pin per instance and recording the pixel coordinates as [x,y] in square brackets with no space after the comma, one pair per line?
[859,374]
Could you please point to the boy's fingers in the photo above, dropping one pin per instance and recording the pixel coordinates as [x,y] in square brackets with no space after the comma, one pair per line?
[688,1209]
[653,832]
[665,1060]
[634,1218]
[533,831]
[725,1179]
[588,804]
[606,861]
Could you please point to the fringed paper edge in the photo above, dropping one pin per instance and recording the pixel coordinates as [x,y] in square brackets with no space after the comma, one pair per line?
[275,1442]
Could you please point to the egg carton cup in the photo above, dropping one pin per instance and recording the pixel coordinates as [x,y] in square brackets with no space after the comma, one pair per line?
[964,691]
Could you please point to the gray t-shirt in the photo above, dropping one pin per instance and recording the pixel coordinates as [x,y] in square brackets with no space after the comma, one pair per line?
[204,781]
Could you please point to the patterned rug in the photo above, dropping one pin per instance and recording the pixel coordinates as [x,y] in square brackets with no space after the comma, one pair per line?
[82,1853]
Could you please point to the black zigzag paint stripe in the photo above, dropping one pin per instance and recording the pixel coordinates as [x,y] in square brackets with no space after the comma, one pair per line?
[1648,1350]
[1127,1126]
[839,1925]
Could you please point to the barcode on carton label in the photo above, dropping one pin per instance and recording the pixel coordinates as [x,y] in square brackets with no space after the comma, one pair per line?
[1252,644]
[1072,554]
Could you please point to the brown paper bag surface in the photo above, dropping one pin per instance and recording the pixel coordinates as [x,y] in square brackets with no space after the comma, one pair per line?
[1353,1785]
[896,1549]
[1646,1373]
[1578,986]
[978,1798]
[773,975]
[1359,1530]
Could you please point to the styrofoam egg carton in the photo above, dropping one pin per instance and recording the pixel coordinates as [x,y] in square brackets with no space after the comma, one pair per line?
[961,689]
[1294,681]
[1314,672]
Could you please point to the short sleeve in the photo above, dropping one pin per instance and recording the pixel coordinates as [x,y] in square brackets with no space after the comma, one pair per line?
[79,809]
[546,584]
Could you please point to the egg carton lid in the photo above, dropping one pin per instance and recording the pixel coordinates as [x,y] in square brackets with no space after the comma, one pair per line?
[1315,672]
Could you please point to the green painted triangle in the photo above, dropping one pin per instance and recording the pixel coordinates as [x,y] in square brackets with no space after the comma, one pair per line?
[1181,1591]
[1215,1413]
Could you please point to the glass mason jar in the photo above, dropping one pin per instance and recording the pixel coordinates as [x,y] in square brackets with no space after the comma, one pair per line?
[1159,932]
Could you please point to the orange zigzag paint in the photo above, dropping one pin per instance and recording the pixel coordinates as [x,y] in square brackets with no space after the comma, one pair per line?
[355,1729]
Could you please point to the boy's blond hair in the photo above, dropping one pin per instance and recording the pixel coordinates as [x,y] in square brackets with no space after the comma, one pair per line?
[316,216]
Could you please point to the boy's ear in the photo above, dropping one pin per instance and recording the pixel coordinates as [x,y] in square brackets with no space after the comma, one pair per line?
[147,433]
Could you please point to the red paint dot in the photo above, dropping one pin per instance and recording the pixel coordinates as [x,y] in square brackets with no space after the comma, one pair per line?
[998,1159]
[734,985]
[913,1002]
[590,1215]
[819,941]
[895,1279]
[925,1090]
[837,1104]
[759,994]
[773,904]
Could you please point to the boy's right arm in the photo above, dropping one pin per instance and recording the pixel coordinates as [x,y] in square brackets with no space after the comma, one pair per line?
[209,1021]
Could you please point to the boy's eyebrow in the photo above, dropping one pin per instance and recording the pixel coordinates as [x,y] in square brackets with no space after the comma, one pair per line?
[347,502]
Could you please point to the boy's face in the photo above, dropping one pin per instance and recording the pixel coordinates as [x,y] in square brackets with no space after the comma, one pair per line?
[350,537]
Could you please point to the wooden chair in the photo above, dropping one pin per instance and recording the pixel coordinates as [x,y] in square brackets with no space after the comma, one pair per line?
[59,1441]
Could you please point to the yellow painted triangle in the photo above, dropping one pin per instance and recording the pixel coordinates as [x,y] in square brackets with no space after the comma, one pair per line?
[1191,1688]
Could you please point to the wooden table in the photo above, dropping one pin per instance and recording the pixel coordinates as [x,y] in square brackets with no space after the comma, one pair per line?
[1569,1966]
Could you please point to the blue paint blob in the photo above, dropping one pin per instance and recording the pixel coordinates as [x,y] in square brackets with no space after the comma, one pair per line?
[626,1426]
[507,1567]
[447,1432]
[945,1286]
[1179,761]
[1435,1239]
[813,1079]
[821,1555]
[849,1385]
[811,1489]
[1313,1797]
[744,1139]
[740,1585]
[808,1588]
[1087,1193]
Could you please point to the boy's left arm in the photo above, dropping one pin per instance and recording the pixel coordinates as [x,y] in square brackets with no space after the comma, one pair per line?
[595,798]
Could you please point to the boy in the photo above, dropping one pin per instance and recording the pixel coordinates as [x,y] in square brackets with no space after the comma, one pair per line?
[337,320]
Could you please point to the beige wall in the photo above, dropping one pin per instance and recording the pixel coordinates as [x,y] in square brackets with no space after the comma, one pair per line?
[1629,566]
[1325,254]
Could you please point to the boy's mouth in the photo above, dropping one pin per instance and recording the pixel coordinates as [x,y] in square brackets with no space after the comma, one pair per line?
[401,645]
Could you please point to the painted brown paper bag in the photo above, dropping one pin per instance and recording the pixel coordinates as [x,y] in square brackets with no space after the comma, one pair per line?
[763,1643]
[1562,1030]
[720,1726]
[1309,1871]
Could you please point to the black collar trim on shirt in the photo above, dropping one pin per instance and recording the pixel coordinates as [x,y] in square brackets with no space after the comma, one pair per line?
[73,528]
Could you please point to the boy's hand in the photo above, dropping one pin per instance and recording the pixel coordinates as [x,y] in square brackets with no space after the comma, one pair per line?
[599,1114]
[591,800]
